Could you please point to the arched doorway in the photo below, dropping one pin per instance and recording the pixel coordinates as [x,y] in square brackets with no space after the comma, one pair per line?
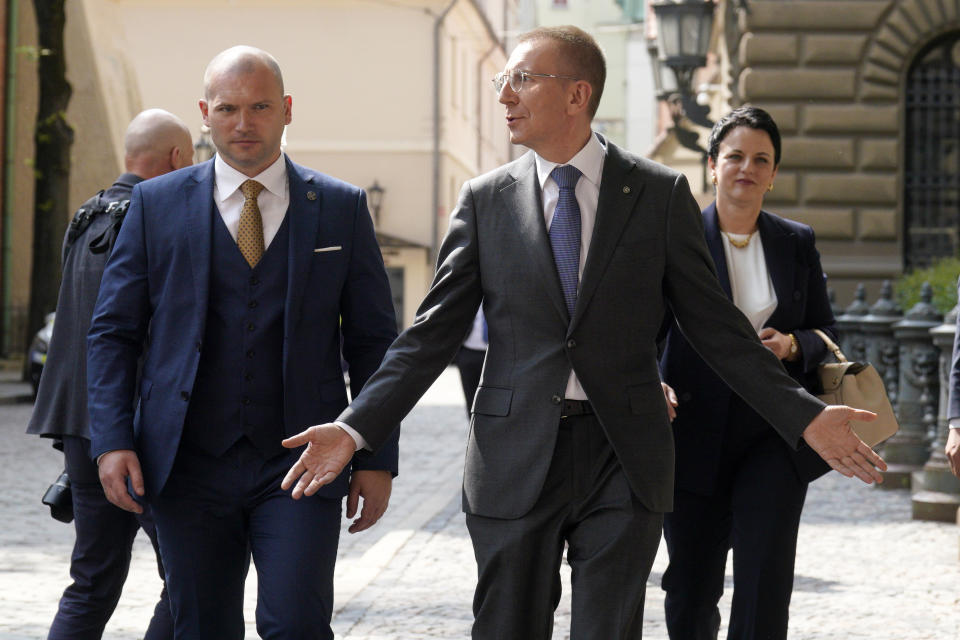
[931,204]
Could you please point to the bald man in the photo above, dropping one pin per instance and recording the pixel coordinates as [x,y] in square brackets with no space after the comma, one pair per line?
[156,142]
[246,302]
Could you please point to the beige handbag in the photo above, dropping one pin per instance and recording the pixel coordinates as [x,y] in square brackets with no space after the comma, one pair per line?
[857,385]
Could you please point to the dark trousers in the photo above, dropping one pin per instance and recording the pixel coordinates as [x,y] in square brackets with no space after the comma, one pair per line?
[611,538]
[470,364]
[214,514]
[755,511]
[101,555]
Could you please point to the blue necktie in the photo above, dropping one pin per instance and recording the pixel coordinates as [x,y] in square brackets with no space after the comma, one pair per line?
[565,232]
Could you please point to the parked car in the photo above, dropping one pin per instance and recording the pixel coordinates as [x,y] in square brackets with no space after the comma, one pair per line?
[37,353]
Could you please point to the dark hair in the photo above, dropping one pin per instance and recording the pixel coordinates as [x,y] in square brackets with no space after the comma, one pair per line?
[753,117]
[580,52]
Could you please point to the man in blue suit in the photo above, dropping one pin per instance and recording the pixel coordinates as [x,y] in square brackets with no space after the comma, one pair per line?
[249,271]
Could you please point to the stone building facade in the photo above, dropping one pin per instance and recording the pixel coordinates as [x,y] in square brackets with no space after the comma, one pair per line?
[867,97]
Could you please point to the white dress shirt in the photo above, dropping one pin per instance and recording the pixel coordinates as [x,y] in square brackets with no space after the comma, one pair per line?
[589,160]
[750,281]
[273,200]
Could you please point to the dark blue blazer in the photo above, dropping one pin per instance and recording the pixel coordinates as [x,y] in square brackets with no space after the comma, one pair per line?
[704,399]
[158,277]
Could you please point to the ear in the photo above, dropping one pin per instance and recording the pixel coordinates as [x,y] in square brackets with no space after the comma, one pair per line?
[713,165]
[579,97]
[204,110]
[175,161]
[288,108]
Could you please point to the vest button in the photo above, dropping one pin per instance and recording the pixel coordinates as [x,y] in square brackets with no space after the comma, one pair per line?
[254,280]
[252,304]
[556,399]
[245,400]
[571,343]
[251,326]
[248,376]
[250,353]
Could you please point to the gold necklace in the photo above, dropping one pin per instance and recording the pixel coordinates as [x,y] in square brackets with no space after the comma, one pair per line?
[739,244]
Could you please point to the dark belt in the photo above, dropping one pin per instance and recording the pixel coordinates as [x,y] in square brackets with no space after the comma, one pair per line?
[576,408]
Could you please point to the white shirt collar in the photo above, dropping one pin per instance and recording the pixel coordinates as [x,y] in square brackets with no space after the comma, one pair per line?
[228,179]
[589,160]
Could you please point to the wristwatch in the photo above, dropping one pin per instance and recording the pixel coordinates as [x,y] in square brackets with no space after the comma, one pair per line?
[794,346]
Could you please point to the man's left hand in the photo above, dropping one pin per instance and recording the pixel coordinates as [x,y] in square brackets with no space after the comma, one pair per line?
[831,436]
[374,487]
[953,450]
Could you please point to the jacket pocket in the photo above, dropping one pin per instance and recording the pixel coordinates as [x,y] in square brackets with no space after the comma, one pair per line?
[493,401]
[646,398]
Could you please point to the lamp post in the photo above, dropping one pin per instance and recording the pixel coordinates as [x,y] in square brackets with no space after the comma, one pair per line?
[375,199]
[203,149]
[683,37]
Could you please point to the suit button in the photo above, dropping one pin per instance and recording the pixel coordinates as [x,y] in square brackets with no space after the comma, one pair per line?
[250,353]
[685,397]
[185,395]
[248,376]
[198,346]
[252,304]
[556,399]
[245,400]
[251,326]
[571,343]
[254,280]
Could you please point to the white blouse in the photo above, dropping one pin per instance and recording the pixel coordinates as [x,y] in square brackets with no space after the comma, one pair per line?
[750,280]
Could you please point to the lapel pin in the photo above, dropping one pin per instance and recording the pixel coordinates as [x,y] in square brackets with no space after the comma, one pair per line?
[626,189]
[311,195]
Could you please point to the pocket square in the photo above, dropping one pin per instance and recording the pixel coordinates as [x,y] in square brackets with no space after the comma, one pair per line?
[335,247]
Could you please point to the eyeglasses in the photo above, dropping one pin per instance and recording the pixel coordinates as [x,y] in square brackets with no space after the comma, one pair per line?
[516,78]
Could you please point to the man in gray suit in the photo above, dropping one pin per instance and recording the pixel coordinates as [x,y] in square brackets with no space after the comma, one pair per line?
[575,250]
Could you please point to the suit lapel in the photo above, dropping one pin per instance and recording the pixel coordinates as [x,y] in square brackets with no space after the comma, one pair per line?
[522,198]
[620,188]
[779,252]
[198,209]
[711,227]
[304,222]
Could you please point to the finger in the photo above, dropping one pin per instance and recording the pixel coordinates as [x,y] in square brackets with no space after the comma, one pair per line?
[295,472]
[766,332]
[865,466]
[872,456]
[300,439]
[353,499]
[672,395]
[836,465]
[319,481]
[117,494]
[136,478]
[861,414]
[368,517]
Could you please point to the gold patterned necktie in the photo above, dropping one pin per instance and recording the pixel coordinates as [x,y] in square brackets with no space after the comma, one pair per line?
[250,233]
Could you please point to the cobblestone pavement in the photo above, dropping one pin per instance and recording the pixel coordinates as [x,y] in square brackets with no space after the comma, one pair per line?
[864,568]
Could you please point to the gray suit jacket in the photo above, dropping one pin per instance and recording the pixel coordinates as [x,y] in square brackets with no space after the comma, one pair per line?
[647,252]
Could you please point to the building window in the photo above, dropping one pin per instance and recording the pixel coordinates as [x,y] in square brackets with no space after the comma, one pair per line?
[931,202]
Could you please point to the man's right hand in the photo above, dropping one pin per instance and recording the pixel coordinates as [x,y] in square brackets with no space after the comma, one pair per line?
[115,467]
[329,449]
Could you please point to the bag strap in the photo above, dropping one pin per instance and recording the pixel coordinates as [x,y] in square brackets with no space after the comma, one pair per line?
[831,345]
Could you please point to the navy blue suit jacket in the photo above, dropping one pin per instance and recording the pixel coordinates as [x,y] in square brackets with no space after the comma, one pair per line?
[158,278]
[802,305]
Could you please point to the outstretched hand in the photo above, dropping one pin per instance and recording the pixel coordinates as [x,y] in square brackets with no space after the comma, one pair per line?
[831,436]
[329,449]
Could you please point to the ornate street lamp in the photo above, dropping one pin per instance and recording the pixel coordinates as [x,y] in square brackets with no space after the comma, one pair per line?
[203,150]
[375,199]
[683,36]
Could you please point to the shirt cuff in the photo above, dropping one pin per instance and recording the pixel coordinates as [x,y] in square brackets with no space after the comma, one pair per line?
[353,433]
[955,423]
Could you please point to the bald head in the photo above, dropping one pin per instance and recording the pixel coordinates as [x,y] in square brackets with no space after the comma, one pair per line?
[240,60]
[157,142]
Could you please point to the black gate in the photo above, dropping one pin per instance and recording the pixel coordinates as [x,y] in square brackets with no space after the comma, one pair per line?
[931,204]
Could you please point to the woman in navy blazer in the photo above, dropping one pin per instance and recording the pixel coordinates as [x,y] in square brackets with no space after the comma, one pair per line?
[738,485]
